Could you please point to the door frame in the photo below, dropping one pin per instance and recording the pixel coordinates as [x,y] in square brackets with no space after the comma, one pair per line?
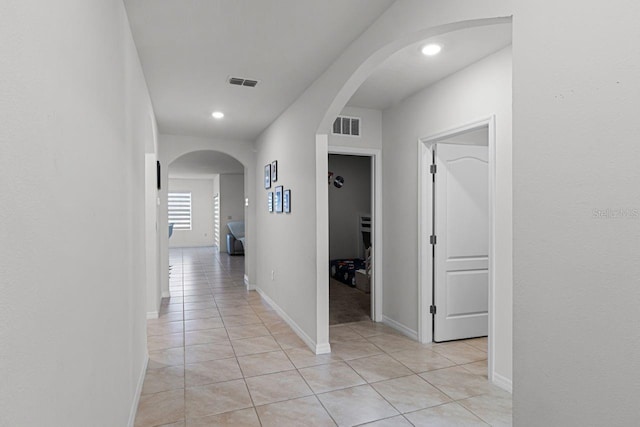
[425,216]
[376,226]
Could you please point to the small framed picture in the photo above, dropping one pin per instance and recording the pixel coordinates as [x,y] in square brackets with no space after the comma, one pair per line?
[286,201]
[277,199]
[274,171]
[267,176]
[270,201]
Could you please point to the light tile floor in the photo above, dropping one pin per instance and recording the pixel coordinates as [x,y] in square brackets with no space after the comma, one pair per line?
[220,356]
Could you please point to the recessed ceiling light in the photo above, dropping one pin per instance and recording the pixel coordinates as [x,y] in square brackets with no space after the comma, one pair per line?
[431,49]
[217,115]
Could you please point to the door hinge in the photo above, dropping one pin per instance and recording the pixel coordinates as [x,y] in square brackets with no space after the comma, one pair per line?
[432,309]
[433,168]
[432,239]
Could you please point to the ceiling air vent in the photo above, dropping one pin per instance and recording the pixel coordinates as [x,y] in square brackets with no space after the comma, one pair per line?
[346,126]
[238,81]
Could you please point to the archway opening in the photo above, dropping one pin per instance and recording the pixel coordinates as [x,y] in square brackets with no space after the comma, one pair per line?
[214,184]
[405,101]
[205,193]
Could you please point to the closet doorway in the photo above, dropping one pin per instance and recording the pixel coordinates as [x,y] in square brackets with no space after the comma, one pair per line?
[353,289]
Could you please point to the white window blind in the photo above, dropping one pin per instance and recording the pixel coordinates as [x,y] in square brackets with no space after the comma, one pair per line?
[216,219]
[180,211]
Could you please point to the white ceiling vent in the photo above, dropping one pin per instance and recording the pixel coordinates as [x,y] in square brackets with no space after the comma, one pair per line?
[346,126]
[239,81]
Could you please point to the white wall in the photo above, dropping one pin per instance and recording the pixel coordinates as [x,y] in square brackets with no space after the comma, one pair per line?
[302,157]
[286,242]
[201,233]
[231,204]
[479,91]
[370,129]
[346,204]
[576,270]
[75,122]
[152,250]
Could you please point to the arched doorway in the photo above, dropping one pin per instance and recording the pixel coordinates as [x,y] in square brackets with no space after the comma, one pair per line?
[323,145]
[196,151]
[208,179]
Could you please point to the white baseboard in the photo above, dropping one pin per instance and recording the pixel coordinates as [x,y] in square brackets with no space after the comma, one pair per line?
[152,315]
[316,348]
[138,392]
[400,328]
[323,348]
[249,286]
[504,383]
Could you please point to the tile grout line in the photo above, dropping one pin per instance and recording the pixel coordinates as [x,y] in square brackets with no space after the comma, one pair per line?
[245,300]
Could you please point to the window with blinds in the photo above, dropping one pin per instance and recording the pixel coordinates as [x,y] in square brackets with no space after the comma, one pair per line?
[216,219]
[180,210]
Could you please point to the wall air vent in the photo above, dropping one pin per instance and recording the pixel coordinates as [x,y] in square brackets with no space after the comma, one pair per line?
[346,126]
[238,81]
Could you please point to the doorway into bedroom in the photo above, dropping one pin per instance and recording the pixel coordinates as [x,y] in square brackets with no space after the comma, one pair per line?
[350,238]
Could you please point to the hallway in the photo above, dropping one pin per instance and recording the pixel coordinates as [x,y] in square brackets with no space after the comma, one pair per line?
[220,356]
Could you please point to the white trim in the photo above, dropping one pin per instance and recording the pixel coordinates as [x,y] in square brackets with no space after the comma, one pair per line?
[322,348]
[425,209]
[400,328]
[503,382]
[376,237]
[138,392]
[425,262]
[322,243]
[316,348]
[152,315]
[249,286]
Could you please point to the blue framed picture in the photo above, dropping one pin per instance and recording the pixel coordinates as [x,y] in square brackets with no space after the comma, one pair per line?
[286,201]
[270,201]
[277,199]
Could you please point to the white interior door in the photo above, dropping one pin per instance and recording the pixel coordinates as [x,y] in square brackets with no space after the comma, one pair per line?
[461,227]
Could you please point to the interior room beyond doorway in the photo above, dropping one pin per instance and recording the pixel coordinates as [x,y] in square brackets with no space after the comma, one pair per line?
[350,244]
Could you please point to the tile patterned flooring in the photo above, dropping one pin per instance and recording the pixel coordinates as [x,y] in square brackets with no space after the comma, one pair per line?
[220,356]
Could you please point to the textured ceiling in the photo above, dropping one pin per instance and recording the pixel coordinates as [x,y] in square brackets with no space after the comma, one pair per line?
[188,48]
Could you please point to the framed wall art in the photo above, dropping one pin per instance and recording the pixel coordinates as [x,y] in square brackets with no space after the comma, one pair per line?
[270,201]
[286,201]
[267,176]
[274,171]
[277,199]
